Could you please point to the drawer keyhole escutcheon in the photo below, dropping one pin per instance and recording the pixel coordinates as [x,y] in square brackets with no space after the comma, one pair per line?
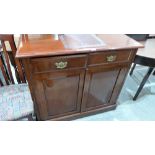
[61,65]
[111,58]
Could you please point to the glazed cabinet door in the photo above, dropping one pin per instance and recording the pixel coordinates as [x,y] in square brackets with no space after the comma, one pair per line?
[102,86]
[59,93]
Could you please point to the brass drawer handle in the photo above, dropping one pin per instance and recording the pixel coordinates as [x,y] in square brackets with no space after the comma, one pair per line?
[61,65]
[111,58]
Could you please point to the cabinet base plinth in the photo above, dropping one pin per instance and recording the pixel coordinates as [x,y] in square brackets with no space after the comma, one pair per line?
[84,114]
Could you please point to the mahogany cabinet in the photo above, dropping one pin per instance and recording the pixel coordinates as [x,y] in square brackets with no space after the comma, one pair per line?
[102,76]
[100,85]
[67,84]
[58,91]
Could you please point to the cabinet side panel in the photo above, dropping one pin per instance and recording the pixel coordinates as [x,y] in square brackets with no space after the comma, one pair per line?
[28,73]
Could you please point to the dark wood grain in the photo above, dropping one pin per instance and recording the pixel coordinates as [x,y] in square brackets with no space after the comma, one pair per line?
[88,84]
[58,93]
[100,85]
[101,57]
[48,63]
[121,78]
[10,56]
[46,45]
[6,78]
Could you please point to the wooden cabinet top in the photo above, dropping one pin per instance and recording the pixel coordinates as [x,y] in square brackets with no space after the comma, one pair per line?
[48,45]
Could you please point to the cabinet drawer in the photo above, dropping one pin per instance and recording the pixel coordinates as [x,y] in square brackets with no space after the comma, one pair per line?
[58,63]
[109,57]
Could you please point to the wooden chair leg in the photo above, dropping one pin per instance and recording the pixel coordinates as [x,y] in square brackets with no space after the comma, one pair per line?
[7,62]
[1,83]
[3,71]
[132,69]
[12,60]
[30,118]
[143,82]
[4,66]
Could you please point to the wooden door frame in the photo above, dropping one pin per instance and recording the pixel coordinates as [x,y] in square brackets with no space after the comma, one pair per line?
[123,69]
